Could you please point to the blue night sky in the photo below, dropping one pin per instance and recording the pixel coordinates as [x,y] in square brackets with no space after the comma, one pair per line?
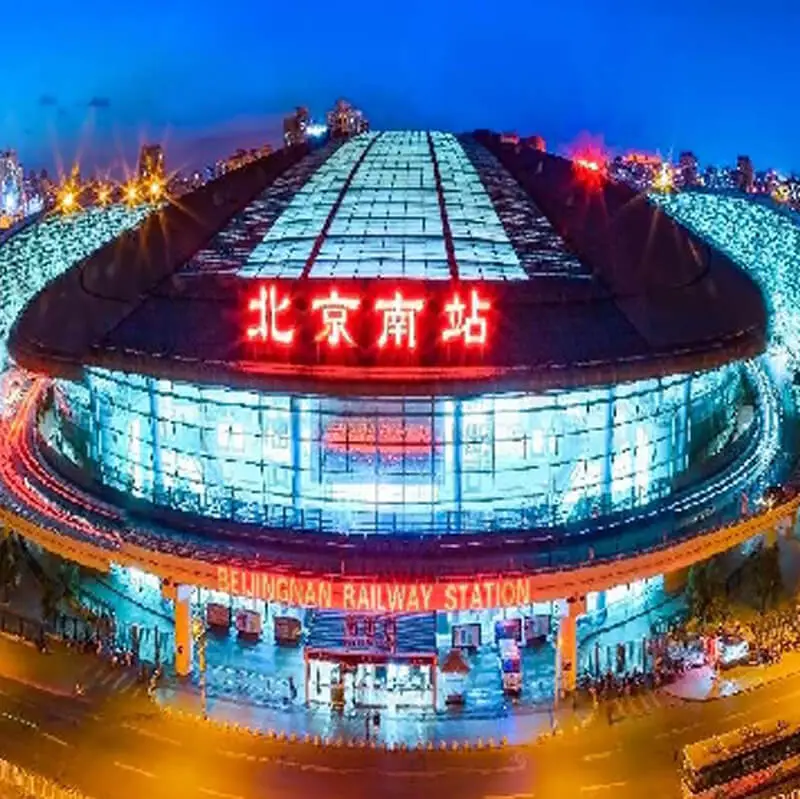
[94,79]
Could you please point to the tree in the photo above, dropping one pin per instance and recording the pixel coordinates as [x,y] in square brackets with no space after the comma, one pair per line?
[9,564]
[69,577]
[767,576]
[705,592]
[52,592]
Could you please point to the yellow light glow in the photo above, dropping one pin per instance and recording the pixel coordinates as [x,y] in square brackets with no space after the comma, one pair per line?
[67,200]
[131,193]
[663,179]
[781,193]
[156,189]
[103,195]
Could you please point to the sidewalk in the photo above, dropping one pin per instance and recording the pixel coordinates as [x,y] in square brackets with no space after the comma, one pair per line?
[54,673]
[699,685]
[326,725]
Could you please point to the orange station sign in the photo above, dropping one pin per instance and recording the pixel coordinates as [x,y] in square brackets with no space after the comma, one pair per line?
[376,596]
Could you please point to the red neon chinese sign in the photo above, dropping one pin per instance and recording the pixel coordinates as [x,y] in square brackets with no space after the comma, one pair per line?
[335,311]
[400,321]
[471,327]
[268,308]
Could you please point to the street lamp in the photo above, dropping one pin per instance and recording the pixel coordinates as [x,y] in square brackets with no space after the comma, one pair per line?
[199,636]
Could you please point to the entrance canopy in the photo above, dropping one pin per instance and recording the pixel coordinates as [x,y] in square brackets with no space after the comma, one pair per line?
[356,657]
[373,638]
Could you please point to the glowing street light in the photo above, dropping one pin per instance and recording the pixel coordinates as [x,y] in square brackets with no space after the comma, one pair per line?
[663,180]
[131,194]
[781,193]
[67,200]
[155,189]
[199,635]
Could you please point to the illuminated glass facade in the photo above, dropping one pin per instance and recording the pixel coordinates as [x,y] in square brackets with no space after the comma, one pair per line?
[41,252]
[417,465]
[763,240]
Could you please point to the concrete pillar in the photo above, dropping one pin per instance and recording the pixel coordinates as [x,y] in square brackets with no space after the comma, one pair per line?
[567,650]
[183,630]
[675,581]
[771,537]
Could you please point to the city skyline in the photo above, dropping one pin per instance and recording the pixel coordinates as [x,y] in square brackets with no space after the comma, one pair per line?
[666,80]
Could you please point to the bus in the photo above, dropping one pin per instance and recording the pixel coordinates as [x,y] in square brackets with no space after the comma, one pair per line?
[744,761]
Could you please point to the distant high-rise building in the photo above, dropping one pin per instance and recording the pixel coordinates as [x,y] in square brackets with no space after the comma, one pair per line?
[11,184]
[295,127]
[534,143]
[243,157]
[745,174]
[688,173]
[637,170]
[720,178]
[769,181]
[344,120]
[151,162]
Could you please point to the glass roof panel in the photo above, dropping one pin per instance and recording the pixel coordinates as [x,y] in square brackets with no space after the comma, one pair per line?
[389,223]
[482,248]
[378,196]
[284,250]
[541,251]
[233,245]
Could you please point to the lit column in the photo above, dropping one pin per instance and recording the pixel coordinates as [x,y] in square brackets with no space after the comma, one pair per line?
[458,453]
[434,680]
[600,607]
[183,630]
[307,673]
[608,471]
[295,441]
[567,649]
[155,436]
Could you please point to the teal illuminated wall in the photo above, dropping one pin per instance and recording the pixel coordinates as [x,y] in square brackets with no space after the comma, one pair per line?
[392,465]
[30,259]
[763,240]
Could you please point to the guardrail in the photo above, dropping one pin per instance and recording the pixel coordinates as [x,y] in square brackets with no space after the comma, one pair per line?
[30,784]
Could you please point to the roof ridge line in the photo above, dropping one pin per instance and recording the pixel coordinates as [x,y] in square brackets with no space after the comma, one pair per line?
[447,233]
[323,233]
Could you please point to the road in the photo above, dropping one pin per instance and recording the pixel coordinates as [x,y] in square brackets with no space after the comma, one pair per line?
[114,743]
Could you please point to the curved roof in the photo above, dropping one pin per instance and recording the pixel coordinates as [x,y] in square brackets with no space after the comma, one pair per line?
[585,283]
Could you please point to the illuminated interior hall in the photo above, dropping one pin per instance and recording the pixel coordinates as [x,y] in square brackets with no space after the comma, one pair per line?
[389,398]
